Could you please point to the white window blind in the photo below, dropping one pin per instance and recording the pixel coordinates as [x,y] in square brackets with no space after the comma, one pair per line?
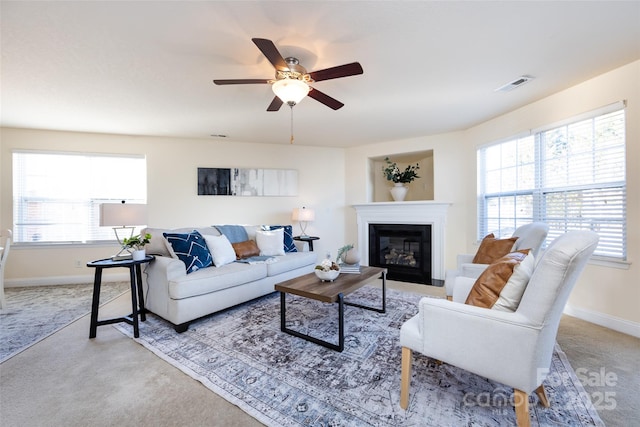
[57,196]
[571,176]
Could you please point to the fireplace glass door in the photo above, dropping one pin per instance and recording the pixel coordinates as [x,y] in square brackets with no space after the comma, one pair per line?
[404,249]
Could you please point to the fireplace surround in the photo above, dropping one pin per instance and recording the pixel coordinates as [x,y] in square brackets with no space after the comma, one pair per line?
[414,212]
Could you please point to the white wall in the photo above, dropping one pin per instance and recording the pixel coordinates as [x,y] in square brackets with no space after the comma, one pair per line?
[172,192]
[605,295]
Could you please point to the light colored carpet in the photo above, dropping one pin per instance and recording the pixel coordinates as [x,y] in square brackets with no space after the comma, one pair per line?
[281,380]
[32,313]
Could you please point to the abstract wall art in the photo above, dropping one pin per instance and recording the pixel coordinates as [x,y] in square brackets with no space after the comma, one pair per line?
[247,182]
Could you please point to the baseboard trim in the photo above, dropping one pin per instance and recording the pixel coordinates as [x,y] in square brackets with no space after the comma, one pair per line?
[617,324]
[64,280]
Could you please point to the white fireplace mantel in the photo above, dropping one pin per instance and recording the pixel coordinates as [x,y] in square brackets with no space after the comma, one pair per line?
[415,212]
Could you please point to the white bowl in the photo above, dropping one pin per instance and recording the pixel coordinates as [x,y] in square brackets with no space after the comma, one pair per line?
[327,276]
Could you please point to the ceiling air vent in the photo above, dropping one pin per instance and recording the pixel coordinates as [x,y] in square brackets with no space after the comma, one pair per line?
[514,84]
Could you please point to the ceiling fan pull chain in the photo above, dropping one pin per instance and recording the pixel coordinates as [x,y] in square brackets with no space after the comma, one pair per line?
[291,140]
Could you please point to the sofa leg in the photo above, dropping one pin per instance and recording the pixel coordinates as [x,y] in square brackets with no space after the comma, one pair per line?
[181,327]
[521,402]
[405,377]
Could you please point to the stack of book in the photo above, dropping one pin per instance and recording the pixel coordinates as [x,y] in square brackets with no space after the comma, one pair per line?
[349,268]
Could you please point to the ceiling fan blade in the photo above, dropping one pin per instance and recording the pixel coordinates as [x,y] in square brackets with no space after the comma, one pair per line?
[270,51]
[240,81]
[336,72]
[325,99]
[275,104]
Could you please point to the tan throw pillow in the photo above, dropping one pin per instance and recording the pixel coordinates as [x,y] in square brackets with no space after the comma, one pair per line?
[488,287]
[492,249]
[246,249]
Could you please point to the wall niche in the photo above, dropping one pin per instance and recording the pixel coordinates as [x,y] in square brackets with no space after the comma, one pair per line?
[419,189]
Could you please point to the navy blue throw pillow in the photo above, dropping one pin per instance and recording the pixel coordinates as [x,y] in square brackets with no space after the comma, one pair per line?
[289,246]
[191,249]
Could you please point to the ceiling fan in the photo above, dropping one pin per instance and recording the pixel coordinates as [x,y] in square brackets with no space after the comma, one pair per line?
[291,82]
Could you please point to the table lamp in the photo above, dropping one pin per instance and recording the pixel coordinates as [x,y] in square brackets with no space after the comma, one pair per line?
[304,216]
[123,217]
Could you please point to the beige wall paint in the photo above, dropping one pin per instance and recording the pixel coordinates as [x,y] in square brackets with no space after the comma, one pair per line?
[336,179]
[603,294]
[606,295]
[172,193]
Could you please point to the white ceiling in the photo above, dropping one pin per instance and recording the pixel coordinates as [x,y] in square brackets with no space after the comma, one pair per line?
[146,68]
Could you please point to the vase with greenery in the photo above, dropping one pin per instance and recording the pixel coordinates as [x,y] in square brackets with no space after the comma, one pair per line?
[136,244]
[393,173]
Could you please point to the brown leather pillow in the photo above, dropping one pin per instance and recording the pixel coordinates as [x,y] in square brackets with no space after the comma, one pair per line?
[487,288]
[246,249]
[492,249]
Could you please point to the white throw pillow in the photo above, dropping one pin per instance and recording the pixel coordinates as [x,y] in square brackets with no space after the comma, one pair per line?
[511,294]
[221,249]
[271,243]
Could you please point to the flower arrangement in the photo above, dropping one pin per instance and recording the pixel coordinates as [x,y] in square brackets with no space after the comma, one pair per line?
[327,265]
[136,242]
[393,173]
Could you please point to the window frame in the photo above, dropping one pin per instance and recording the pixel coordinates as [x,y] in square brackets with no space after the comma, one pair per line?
[92,233]
[540,192]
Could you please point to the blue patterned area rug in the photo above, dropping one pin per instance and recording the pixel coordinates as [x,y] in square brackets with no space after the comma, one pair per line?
[281,380]
[32,313]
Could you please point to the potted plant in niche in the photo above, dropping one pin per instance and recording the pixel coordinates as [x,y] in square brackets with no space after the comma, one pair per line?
[136,244]
[399,178]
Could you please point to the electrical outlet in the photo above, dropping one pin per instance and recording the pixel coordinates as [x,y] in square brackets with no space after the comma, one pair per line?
[78,263]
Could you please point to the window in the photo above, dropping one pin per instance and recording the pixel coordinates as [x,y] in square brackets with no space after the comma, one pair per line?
[571,176]
[57,196]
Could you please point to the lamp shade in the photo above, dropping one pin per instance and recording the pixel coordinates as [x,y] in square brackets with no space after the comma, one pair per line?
[303,214]
[290,90]
[122,214]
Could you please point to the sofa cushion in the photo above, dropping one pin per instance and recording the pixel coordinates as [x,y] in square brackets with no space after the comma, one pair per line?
[291,261]
[246,249]
[222,251]
[212,279]
[492,249]
[488,288]
[288,243]
[270,242]
[159,245]
[191,249]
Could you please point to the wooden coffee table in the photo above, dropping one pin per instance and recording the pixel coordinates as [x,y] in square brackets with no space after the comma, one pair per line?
[309,286]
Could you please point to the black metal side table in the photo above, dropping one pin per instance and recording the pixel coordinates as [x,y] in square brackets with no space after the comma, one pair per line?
[308,239]
[137,298]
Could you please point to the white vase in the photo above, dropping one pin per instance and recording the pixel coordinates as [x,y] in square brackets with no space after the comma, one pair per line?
[398,192]
[352,256]
[138,255]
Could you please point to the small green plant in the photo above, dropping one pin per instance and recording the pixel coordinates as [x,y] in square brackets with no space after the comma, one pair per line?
[136,242]
[393,173]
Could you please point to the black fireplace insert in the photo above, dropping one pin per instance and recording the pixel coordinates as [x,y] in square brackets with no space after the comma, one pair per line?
[404,249]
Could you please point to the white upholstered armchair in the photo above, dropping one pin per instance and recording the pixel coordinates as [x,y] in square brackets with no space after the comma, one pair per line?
[530,236]
[513,348]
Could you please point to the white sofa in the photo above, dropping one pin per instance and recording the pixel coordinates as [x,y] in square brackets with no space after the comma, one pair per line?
[179,298]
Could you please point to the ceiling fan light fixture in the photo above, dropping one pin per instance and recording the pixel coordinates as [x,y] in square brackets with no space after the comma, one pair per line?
[290,91]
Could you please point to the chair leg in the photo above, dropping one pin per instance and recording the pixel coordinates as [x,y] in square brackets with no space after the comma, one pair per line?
[405,377]
[542,395]
[521,403]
